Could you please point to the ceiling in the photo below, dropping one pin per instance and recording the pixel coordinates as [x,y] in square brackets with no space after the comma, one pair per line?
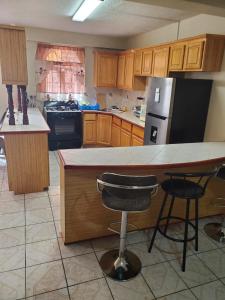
[111,18]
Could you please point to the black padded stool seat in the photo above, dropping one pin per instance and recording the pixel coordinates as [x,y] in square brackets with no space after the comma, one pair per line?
[187,186]
[182,188]
[124,193]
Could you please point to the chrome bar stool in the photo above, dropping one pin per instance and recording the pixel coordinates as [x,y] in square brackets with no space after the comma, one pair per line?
[216,231]
[124,193]
[180,186]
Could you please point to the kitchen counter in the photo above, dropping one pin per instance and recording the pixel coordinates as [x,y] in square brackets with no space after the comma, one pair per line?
[27,153]
[127,116]
[82,214]
[37,123]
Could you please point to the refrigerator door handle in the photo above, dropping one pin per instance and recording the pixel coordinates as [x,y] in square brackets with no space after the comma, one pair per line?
[156,116]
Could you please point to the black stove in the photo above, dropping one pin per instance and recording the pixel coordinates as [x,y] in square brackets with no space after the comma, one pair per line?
[65,121]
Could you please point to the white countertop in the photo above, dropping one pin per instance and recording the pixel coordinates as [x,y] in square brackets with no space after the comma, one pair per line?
[169,155]
[37,123]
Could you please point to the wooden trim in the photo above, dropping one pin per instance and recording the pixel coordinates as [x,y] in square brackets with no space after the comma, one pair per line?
[12,27]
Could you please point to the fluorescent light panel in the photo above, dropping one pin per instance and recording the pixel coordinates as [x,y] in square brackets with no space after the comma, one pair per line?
[86,8]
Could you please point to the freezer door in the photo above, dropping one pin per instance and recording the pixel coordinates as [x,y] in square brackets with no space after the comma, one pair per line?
[160,96]
[156,130]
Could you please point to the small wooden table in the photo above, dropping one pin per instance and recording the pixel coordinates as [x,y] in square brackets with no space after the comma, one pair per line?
[27,156]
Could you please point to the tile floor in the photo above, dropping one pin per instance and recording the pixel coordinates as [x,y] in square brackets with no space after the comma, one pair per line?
[35,264]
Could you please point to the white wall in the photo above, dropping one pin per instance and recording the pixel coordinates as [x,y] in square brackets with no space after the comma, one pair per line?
[215,127]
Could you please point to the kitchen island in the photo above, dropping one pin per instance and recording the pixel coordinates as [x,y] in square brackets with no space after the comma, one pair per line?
[82,213]
[26,149]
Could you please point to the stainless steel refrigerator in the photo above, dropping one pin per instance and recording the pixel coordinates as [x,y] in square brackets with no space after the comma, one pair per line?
[176,110]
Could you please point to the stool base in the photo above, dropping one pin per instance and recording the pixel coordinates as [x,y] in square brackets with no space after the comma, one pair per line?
[133,265]
[214,231]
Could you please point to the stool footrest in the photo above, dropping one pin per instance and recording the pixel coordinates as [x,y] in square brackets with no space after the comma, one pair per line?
[172,238]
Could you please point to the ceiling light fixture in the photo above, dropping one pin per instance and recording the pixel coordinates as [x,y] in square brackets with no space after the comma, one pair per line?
[86,8]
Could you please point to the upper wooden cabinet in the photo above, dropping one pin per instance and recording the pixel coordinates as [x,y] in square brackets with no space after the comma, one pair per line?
[104,130]
[121,71]
[138,62]
[126,78]
[193,55]
[105,69]
[160,61]
[176,57]
[146,69]
[13,56]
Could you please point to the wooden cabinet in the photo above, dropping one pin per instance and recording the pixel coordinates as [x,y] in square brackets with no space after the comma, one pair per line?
[138,62]
[176,57]
[121,71]
[136,141]
[137,138]
[125,138]
[160,61]
[115,135]
[193,55]
[13,56]
[90,129]
[146,69]
[104,129]
[105,69]
[129,73]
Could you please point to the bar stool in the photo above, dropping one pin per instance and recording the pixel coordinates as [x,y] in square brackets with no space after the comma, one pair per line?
[216,231]
[179,186]
[124,193]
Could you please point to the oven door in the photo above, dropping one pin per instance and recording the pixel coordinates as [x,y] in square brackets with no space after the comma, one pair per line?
[156,130]
[65,125]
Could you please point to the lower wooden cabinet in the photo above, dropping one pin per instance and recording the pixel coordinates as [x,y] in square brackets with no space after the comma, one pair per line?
[115,135]
[136,141]
[104,129]
[125,138]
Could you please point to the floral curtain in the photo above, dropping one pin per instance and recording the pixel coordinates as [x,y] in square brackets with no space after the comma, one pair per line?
[62,69]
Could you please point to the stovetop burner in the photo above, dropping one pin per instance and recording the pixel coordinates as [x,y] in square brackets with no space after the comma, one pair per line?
[60,108]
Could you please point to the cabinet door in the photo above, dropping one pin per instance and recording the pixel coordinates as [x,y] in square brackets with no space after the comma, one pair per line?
[137,62]
[193,55]
[104,129]
[136,141]
[121,71]
[13,56]
[147,62]
[105,69]
[160,62]
[115,135]
[176,57]
[125,138]
[89,132]
[129,71]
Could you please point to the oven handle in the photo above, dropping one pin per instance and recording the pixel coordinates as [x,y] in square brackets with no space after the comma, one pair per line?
[156,116]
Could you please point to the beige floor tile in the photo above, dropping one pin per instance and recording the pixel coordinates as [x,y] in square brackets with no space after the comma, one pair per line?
[215,261]
[106,243]
[55,200]
[58,229]
[184,295]
[36,195]
[54,190]
[61,294]
[12,285]
[196,272]
[162,279]
[8,195]
[40,232]
[82,268]
[204,243]
[56,213]
[147,259]
[137,237]
[12,206]
[39,216]
[12,220]
[134,289]
[204,221]
[37,203]
[44,278]
[92,290]
[12,258]
[211,291]
[42,252]
[12,237]
[75,249]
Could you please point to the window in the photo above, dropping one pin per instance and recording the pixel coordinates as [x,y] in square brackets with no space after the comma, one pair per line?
[62,69]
